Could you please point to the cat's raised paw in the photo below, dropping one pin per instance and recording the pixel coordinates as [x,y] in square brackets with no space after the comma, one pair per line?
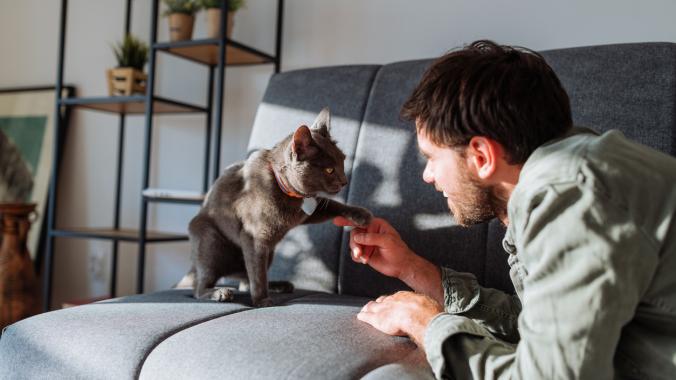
[360,216]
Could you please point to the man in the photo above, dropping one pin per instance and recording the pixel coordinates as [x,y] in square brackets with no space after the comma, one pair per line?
[591,232]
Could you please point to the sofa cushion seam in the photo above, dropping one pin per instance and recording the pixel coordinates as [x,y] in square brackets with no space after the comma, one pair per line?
[177,330]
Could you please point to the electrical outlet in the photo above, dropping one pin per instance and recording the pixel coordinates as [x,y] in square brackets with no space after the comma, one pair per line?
[96,265]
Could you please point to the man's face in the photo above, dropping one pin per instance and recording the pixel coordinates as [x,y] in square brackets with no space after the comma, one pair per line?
[446,169]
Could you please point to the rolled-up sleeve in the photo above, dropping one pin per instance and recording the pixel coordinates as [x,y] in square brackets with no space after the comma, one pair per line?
[493,309]
[449,338]
[588,265]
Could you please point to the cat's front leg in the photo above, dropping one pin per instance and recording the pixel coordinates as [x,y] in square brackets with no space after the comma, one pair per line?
[256,262]
[328,209]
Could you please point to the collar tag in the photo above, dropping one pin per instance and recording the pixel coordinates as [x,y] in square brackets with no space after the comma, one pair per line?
[309,205]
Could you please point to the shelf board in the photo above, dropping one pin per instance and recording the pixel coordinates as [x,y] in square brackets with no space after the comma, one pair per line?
[173,196]
[122,234]
[205,51]
[135,104]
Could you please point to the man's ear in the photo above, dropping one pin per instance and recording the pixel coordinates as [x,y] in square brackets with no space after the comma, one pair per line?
[301,145]
[483,156]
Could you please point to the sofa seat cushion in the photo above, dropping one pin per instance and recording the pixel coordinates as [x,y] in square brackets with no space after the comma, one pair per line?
[106,339]
[169,334]
[313,337]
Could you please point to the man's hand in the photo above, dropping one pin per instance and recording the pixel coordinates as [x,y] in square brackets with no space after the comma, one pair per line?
[403,313]
[380,246]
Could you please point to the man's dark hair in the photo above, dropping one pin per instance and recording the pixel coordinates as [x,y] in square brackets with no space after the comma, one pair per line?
[508,94]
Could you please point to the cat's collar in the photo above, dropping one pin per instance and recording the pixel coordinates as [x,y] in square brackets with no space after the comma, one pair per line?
[286,189]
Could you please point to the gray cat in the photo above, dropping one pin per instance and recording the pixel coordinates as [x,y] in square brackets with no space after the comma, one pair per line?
[254,203]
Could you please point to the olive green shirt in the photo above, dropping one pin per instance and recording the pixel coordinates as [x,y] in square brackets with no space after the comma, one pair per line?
[591,246]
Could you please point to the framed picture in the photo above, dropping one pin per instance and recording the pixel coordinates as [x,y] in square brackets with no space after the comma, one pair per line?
[26,150]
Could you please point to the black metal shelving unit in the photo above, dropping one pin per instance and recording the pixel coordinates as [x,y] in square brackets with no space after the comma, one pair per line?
[216,54]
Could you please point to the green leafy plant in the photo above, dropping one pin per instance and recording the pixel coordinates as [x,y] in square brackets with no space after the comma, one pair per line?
[188,7]
[233,5]
[131,52]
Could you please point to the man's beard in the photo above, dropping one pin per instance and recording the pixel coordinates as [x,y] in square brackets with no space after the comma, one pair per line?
[474,203]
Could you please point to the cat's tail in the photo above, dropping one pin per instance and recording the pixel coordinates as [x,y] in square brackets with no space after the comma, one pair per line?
[188,281]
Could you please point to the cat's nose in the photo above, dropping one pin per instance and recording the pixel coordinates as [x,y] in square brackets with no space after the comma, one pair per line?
[343,181]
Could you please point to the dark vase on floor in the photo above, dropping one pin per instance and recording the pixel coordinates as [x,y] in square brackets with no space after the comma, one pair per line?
[18,285]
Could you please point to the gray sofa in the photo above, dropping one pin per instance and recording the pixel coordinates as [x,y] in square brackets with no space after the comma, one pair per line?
[313,333]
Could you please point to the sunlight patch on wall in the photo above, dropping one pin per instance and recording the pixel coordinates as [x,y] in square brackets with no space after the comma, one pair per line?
[433,221]
[293,255]
[392,145]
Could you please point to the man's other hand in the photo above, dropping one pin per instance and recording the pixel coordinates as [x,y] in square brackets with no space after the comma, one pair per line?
[402,314]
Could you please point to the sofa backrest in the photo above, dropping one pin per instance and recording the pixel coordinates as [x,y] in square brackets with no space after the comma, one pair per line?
[630,87]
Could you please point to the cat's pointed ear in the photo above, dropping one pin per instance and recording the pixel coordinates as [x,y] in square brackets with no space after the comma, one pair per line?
[323,122]
[302,142]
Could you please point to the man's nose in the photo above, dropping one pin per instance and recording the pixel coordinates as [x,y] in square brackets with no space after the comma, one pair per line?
[427,176]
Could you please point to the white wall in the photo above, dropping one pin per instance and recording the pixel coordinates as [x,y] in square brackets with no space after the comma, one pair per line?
[316,33]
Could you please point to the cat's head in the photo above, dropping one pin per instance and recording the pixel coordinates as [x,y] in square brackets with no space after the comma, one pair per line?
[314,162]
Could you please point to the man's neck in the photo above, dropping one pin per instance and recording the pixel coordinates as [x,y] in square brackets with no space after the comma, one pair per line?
[504,189]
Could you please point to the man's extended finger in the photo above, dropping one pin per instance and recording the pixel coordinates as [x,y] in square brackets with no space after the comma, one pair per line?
[342,222]
[357,251]
[357,255]
[354,232]
[370,238]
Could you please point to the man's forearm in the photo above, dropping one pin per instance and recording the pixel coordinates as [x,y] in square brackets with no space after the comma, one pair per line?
[424,277]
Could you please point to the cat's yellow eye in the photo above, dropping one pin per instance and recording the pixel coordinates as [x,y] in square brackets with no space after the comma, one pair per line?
[328,170]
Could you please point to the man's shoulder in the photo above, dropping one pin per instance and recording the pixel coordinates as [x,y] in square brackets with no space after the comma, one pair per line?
[605,173]
[610,160]
[557,162]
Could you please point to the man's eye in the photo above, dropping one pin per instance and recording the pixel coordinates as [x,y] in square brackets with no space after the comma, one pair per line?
[328,170]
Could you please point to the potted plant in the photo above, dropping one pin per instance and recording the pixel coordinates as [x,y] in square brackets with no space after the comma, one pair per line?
[128,77]
[213,11]
[181,14]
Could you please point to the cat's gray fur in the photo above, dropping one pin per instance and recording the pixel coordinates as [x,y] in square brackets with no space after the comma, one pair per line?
[245,213]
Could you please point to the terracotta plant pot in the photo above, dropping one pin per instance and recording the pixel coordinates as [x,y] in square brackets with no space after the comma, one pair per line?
[180,26]
[214,23]
[18,285]
[126,81]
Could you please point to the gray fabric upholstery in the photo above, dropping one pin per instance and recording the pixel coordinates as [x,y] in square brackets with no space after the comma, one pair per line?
[313,337]
[109,339]
[631,87]
[105,340]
